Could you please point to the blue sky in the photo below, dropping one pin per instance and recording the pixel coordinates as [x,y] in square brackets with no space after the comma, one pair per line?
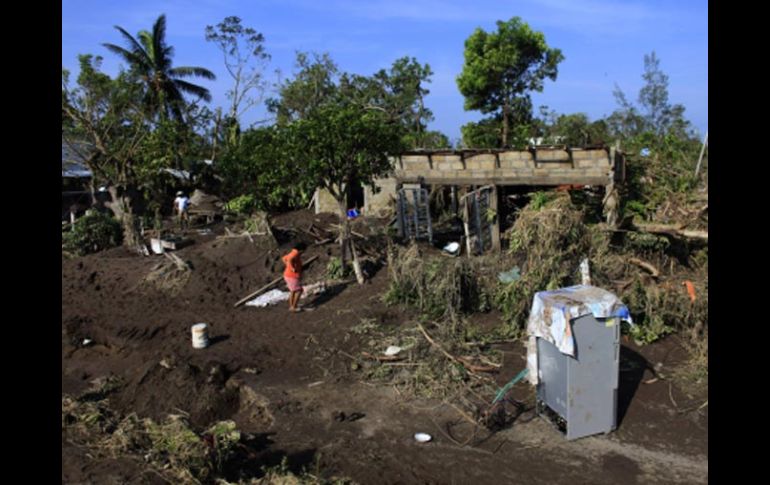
[603,42]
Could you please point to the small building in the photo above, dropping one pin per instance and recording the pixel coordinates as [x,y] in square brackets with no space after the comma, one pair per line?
[487,176]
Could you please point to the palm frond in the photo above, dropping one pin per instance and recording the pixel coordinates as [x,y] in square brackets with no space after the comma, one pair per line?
[194,89]
[192,71]
[159,34]
[133,43]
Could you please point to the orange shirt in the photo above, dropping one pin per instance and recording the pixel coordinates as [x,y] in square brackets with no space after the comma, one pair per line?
[293,264]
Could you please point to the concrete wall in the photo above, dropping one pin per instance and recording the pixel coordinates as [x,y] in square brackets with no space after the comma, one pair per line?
[383,203]
[324,202]
[379,205]
[546,166]
[511,167]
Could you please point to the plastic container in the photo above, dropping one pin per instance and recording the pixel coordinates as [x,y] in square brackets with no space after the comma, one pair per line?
[200,336]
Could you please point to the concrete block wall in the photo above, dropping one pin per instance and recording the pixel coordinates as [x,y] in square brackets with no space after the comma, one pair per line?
[510,167]
[378,205]
[553,166]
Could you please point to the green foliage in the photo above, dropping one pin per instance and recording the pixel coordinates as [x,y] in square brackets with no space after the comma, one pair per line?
[482,134]
[540,199]
[645,243]
[666,171]
[339,144]
[438,287]
[250,169]
[554,238]
[571,129]
[149,57]
[93,232]
[655,115]
[107,122]
[241,205]
[501,68]
[647,307]
[313,85]
[430,140]
[401,92]
[335,270]
[337,130]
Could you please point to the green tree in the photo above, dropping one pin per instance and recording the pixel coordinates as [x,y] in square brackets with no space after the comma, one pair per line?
[502,67]
[107,115]
[482,134]
[340,144]
[434,139]
[313,85]
[575,130]
[403,97]
[655,113]
[150,58]
[257,167]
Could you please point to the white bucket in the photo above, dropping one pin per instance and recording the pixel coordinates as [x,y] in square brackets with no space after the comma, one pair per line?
[200,336]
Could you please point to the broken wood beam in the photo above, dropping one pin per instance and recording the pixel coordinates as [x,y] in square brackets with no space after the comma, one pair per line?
[652,269]
[672,229]
[177,261]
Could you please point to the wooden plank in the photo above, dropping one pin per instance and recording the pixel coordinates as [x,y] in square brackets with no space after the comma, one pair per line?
[496,245]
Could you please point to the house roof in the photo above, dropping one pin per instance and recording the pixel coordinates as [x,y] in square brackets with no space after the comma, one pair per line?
[72,164]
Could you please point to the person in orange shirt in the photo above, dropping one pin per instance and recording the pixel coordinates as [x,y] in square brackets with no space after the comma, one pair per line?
[293,275]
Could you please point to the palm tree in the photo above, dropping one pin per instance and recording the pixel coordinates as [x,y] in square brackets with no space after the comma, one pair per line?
[150,58]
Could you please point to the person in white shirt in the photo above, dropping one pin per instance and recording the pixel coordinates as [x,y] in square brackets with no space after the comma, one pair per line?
[181,205]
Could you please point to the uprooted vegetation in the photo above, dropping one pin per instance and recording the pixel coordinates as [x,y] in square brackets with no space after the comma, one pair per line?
[663,281]
[171,449]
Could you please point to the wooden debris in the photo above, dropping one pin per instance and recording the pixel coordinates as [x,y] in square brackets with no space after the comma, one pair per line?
[672,230]
[462,361]
[177,261]
[652,269]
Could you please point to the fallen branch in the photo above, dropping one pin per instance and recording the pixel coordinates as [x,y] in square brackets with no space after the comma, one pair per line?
[652,269]
[314,236]
[468,366]
[476,368]
[177,261]
[672,230]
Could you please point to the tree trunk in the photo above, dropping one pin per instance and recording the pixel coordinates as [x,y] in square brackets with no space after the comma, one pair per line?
[121,206]
[505,125]
[95,202]
[346,244]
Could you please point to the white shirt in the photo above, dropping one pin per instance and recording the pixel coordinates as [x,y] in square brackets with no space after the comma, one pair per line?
[182,203]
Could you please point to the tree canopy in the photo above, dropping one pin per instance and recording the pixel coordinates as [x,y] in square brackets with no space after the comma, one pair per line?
[502,67]
[150,58]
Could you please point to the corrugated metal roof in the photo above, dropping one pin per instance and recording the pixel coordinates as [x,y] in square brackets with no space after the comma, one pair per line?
[72,164]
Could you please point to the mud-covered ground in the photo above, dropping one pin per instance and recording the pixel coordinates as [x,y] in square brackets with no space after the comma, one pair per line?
[286,379]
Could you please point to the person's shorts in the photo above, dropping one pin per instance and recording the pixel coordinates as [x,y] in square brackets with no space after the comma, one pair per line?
[294,284]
